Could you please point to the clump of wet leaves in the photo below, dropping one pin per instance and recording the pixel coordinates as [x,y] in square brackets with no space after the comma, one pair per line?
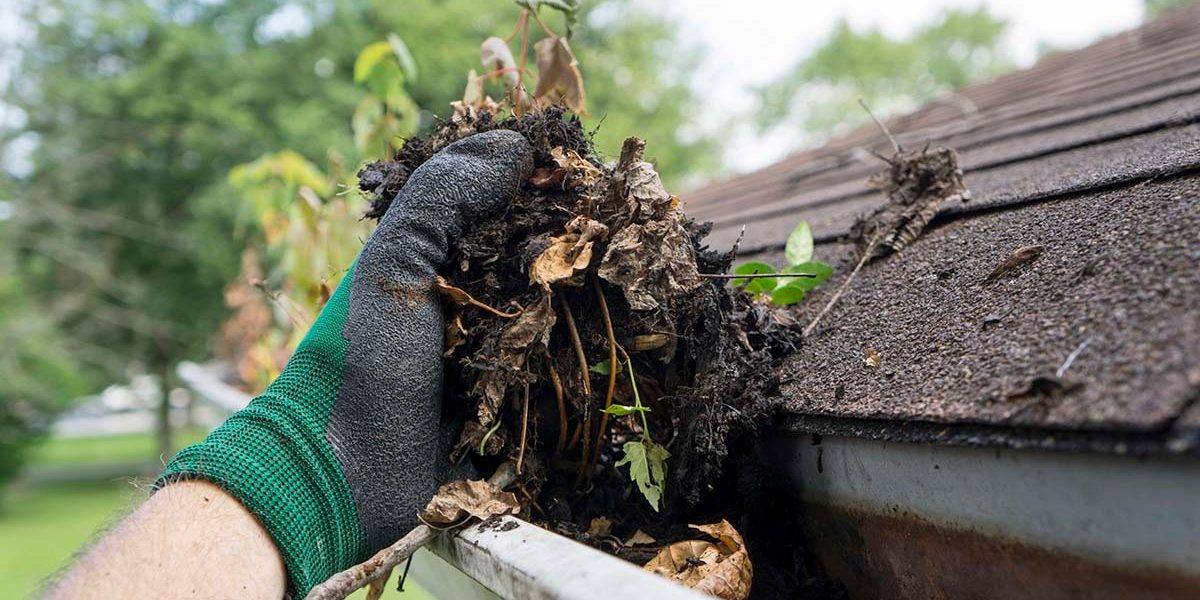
[583,341]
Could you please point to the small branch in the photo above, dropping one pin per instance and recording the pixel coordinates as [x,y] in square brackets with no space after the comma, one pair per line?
[344,583]
[556,381]
[579,354]
[612,374]
[524,428]
[376,588]
[842,288]
[754,275]
[882,127]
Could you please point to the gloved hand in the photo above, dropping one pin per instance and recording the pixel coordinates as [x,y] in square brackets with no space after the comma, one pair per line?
[339,453]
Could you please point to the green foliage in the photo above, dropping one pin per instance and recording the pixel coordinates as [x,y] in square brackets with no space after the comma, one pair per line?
[786,291]
[128,225]
[1153,8]
[891,74]
[647,463]
[568,8]
[623,410]
[604,368]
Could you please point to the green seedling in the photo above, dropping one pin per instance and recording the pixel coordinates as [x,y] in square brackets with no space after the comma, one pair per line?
[783,290]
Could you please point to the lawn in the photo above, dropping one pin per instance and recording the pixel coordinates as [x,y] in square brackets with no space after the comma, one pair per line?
[42,525]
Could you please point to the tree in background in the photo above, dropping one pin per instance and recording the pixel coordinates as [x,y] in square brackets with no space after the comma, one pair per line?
[820,94]
[1153,8]
[126,226]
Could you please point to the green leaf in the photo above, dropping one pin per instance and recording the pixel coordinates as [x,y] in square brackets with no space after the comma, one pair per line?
[819,270]
[369,58]
[624,410]
[602,367]
[647,468]
[787,295]
[569,9]
[755,286]
[799,248]
[407,65]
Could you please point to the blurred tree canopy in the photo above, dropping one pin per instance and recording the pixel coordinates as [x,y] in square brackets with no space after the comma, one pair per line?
[125,227]
[820,94]
[1153,8]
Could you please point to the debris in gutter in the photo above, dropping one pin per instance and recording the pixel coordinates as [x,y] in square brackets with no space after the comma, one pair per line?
[916,184]
[720,569]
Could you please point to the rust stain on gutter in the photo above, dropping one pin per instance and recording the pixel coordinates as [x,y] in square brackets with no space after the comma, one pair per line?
[903,556]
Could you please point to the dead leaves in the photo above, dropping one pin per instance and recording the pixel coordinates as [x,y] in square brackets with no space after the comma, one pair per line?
[916,184]
[720,569]
[457,501]
[569,255]
[559,79]
[652,262]
[579,170]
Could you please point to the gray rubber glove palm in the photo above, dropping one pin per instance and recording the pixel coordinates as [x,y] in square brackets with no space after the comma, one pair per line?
[339,453]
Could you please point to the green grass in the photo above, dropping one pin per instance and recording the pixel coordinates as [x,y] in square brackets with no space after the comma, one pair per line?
[43,525]
[134,447]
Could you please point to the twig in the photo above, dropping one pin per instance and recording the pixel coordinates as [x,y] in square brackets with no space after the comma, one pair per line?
[612,374]
[344,583]
[895,144]
[556,381]
[842,288]
[1071,358]
[376,588]
[753,275]
[460,295]
[574,333]
[524,428]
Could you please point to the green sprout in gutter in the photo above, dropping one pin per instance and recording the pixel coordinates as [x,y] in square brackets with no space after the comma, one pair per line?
[784,290]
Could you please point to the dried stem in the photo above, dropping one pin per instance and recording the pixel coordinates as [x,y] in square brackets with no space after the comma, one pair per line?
[753,275]
[882,127]
[524,428]
[344,583]
[556,381]
[579,354]
[842,288]
[612,374]
[376,588]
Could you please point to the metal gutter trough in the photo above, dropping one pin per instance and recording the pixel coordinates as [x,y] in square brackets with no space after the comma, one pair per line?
[907,520]
[513,559]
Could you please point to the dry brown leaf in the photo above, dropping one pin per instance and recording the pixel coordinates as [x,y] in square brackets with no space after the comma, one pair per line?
[544,178]
[532,327]
[452,292]
[917,184]
[456,333]
[563,261]
[871,357]
[650,341]
[600,526]
[722,569]
[651,262]
[640,538]
[579,170]
[559,79]
[456,501]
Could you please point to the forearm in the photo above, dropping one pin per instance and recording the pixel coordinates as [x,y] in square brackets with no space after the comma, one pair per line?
[190,539]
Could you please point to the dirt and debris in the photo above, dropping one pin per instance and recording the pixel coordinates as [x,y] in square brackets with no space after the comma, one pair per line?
[590,276]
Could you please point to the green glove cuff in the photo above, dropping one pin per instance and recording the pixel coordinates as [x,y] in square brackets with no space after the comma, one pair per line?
[274,456]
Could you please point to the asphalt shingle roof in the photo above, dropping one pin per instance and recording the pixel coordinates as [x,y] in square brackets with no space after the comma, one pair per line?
[1093,155]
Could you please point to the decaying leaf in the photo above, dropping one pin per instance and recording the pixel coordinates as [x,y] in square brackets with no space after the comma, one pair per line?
[532,327]
[640,538]
[647,468]
[641,189]
[1020,257]
[600,526]
[871,357]
[561,262]
[916,185]
[497,57]
[456,333]
[458,500]
[650,341]
[651,262]
[580,171]
[559,79]
[544,178]
[721,569]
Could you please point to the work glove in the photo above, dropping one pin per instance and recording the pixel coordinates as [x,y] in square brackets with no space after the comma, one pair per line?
[339,453]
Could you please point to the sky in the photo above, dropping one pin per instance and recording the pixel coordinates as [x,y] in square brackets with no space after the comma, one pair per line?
[751,42]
